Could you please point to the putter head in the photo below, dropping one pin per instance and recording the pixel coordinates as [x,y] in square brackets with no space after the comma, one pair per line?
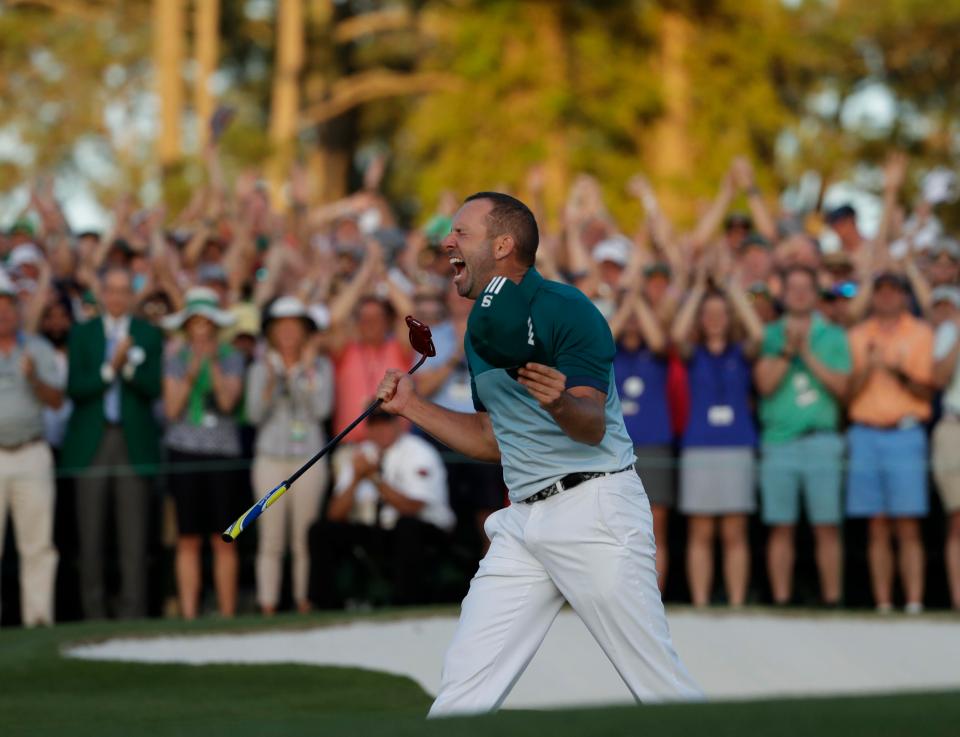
[420,337]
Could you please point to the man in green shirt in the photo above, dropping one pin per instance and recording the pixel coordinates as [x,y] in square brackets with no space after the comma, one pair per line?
[802,378]
[579,529]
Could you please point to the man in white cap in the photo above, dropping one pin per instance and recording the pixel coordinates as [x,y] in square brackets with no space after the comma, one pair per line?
[29,381]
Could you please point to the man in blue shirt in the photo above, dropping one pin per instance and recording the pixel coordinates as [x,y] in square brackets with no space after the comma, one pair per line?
[579,529]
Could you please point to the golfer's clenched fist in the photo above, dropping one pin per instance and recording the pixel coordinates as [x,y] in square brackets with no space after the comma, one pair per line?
[395,391]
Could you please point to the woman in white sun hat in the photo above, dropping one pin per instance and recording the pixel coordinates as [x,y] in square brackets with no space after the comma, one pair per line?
[289,395]
[202,385]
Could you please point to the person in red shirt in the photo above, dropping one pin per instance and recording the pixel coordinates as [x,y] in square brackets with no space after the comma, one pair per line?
[362,361]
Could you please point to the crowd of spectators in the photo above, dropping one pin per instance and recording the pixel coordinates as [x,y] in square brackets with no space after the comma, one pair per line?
[167,373]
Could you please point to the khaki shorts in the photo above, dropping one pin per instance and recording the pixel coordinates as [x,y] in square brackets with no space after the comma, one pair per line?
[946,462]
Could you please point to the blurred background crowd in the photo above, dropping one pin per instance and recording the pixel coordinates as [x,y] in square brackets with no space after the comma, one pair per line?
[171,370]
[198,290]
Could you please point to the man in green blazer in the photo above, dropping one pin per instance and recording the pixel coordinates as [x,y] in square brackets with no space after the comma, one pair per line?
[112,440]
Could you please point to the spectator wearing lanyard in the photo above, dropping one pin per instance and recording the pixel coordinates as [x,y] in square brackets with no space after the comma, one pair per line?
[289,394]
[640,368]
[202,385]
[30,381]
[802,377]
[890,399]
[717,466]
[946,435]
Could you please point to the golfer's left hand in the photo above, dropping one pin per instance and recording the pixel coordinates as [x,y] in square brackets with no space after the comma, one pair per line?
[545,384]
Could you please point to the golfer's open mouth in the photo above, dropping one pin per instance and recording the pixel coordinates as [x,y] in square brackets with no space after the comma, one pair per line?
[459,268]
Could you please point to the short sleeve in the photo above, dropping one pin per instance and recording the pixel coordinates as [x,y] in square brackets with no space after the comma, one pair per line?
[46,364]
[477,404]
[474,394]
[836,353]
[583,348]
[945,339]
[773,340]
[175,365]
[423,474]
[232,363]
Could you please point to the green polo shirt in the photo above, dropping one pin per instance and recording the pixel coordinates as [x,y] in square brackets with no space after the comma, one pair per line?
[571,335]
[801,403]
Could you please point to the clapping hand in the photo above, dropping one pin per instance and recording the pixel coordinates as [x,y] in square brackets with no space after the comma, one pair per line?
[120,356]
[364,466]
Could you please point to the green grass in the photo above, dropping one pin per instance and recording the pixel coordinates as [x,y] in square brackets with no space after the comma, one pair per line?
[43,693]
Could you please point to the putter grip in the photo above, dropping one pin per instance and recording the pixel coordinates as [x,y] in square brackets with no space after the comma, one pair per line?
[248,517]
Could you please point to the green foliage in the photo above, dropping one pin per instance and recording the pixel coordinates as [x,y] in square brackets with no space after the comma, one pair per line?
[60,72]
[578,85]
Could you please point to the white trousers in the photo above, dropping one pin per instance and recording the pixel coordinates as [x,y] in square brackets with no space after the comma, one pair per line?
[27,490]
[591,546]
[288,519]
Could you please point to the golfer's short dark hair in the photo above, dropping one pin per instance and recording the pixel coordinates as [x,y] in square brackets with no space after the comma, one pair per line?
[510,216]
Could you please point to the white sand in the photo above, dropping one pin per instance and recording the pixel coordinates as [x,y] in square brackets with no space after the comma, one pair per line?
[731,655]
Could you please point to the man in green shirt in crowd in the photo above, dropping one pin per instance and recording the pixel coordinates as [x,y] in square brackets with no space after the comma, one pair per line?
[802,378]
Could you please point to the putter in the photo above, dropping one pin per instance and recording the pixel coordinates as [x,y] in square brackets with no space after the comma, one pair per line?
[422,342]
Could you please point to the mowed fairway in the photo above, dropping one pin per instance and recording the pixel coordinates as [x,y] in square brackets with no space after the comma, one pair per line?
[43,693]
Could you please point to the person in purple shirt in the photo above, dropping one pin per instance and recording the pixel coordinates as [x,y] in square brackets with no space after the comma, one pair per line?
[640,372]
[717,464]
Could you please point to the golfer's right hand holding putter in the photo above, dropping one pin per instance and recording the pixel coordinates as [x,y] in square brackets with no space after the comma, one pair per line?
[395,391]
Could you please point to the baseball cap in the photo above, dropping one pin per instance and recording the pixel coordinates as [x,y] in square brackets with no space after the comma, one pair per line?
[890,278]
[837,260]
[246,320]
[737,220]
[755,240]
[657,267]
[759,289]
[22,226]
[615,249]
[437,228]
[25,253]
[945,245]
[840,213]
[212,273]
[289,306]
[946,294]
[500,327]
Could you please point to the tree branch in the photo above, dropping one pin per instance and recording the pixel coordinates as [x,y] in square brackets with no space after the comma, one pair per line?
[364,87]
[389,19]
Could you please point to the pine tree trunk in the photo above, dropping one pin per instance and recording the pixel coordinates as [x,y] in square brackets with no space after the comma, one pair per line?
[285,101]
[168,48]
[206,32]
[669,151]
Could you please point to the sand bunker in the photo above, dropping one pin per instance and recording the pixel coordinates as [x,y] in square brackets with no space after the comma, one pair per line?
[733,656]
